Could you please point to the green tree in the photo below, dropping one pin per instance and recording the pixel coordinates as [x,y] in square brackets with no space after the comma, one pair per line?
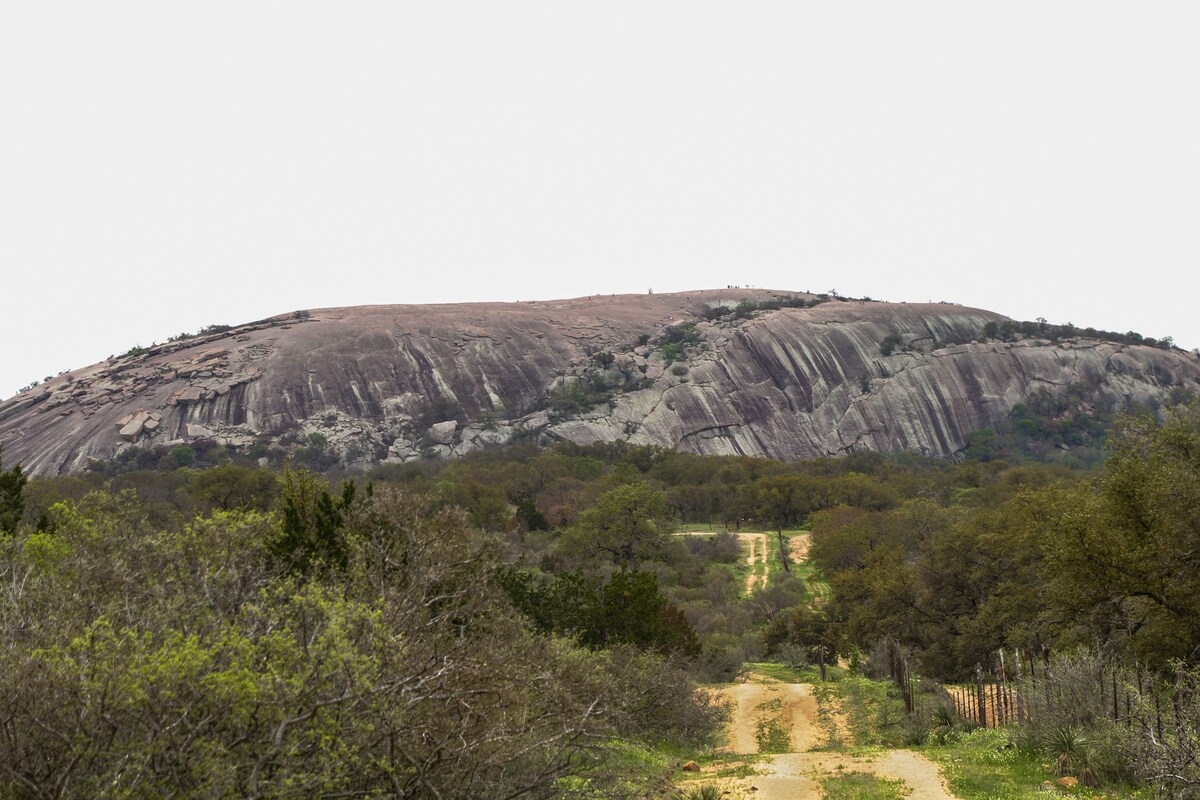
[232,486]
[311,521]
[627,609]
[783,501]
[806,628]
[630,522]
[12,496]
[1123,559]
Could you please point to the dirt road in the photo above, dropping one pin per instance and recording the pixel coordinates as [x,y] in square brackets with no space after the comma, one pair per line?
[757,547]
[767,712]
[756,559]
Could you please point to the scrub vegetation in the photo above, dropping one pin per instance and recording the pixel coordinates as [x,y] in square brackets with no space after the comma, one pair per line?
[530,622]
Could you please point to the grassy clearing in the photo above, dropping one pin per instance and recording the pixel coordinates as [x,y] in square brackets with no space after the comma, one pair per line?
[705,527]
[817,587]
[873,710]
[774,566]
[863,786]
[782,672]
[986,764]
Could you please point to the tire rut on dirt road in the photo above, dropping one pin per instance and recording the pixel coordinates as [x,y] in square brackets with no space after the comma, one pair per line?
[757,552]
[761,705]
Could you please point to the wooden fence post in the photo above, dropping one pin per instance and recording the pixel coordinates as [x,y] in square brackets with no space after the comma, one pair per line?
[1046,673]
[1004,684]
[979,693]
[1116,709]
[906,688]
[1020,704]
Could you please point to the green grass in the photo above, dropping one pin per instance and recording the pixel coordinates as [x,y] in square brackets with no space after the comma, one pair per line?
[642,766]
[817,587]
[784,673]
[731,766]
[774,565]
[875,713]
[863,786]
[986,764]
[774,734]
[706,527]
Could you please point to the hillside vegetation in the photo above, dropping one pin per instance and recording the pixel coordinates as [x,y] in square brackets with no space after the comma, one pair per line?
[526,622]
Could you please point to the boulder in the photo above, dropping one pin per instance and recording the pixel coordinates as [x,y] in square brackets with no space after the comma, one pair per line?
[443,432]
[132,430]
[191,394]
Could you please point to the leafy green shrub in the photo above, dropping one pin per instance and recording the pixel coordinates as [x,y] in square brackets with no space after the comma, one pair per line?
[575,396]
[685,333]
[672,352]
[184,456]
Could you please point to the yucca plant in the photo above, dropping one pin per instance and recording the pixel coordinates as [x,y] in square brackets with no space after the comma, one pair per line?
[1068,746]
[706,792]
[942,722]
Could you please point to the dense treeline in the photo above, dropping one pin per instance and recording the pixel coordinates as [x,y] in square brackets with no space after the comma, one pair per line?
[1032,562]
[492,626]
[951,559]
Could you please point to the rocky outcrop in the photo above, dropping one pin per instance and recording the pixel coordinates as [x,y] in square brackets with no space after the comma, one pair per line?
[394,383]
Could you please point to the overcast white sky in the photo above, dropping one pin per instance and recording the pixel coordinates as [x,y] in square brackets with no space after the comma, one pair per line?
[165,166]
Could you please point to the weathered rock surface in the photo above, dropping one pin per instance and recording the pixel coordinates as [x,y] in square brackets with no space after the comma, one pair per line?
[403,382]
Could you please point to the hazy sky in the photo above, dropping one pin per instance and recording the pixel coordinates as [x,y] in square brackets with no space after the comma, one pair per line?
[164,166]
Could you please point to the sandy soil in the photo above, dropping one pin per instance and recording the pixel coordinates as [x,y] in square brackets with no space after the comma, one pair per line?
[798,546]
[792,704]
[756,545]
[797,775]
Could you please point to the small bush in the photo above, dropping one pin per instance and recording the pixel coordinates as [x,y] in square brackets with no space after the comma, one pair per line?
[183,455]
[708,792]
[890,343]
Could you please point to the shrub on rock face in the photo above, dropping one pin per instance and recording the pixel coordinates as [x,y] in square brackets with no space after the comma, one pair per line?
[890,343]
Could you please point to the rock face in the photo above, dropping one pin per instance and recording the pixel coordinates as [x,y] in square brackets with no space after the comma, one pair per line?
[403,382]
